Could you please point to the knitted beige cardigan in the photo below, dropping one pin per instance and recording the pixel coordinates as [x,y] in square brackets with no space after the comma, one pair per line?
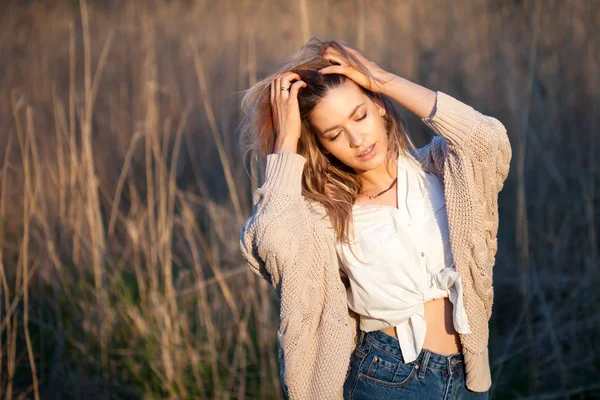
[289,241]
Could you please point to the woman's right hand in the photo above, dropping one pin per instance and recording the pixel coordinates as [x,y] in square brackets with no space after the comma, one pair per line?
[285,112]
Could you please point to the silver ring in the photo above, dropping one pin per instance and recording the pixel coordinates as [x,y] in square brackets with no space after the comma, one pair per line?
[285,88]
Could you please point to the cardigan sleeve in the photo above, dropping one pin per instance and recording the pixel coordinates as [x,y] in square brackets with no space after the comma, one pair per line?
[276,242]
[466,129]
[273,237]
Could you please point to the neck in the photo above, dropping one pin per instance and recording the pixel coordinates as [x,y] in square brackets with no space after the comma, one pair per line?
[381,177]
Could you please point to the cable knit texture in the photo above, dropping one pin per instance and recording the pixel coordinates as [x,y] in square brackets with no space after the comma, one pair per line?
[289,241]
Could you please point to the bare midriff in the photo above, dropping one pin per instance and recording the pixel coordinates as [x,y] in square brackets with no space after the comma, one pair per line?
[440,336]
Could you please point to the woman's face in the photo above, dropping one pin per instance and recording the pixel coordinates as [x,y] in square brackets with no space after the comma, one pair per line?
[349,125]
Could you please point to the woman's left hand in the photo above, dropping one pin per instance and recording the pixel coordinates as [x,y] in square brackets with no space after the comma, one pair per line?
[356,75]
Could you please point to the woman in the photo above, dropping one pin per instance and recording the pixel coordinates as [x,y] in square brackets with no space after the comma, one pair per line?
[381,254]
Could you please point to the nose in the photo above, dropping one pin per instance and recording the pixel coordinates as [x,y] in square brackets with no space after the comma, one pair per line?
[356,139]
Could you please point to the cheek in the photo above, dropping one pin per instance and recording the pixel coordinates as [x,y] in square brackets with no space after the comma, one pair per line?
[332,148]
[324,145]
[343,153]
[328,146]
[378,126]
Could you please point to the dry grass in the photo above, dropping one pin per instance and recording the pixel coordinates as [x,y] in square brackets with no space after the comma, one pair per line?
[123,190]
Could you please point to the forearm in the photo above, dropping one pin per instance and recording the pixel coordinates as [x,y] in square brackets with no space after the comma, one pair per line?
[286,144]
[413,97]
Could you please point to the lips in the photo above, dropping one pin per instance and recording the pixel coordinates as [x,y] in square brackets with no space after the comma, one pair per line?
[367,151]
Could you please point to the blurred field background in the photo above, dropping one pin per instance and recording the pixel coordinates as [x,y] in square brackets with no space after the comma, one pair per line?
[123,187]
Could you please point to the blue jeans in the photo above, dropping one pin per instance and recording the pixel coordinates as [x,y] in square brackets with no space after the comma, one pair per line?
[378,371]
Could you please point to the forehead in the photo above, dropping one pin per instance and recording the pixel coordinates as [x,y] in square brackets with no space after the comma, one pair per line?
[337,104]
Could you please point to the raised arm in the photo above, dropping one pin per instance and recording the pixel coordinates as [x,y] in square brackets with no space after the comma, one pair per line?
[464,129]
[272,238]
[279,228]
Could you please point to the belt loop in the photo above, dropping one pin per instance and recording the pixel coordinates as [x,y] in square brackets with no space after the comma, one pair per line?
[427,353]
[452,363]
[361,337]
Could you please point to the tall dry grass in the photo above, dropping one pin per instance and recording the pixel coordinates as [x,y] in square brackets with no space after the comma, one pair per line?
[123,190]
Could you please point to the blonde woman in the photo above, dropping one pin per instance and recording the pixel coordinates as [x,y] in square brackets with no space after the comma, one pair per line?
[381,253]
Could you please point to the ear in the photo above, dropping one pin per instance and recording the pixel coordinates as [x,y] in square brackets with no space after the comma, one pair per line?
[380,107]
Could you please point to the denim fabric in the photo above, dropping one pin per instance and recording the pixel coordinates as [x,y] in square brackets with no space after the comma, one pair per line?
[377,371]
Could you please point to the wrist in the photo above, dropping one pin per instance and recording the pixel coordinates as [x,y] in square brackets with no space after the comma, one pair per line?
[414,97]
[286,144]
[392,82]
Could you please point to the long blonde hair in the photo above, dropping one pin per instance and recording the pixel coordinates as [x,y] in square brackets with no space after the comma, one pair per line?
[325,180]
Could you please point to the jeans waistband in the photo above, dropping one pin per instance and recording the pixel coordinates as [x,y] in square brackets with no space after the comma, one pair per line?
[426,358]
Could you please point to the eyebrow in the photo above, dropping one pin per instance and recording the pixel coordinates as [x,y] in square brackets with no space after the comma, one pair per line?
[350,116]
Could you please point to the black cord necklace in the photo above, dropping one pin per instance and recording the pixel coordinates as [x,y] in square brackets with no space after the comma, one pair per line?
[371,197]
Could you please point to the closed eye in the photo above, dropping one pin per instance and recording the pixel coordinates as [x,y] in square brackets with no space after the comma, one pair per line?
[359,119]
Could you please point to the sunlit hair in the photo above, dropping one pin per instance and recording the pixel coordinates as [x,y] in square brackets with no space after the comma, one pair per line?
[338,191]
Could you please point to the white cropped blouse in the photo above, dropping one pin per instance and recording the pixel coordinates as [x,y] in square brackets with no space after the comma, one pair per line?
[408,261]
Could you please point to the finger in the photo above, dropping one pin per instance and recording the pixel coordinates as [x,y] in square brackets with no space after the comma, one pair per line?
[281,94]
[354,52]
[349,72]
[335,69]
[288,77]
[278,88]
[273,106]
[295,88]
[334,57]
[350,49]
[283,84]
